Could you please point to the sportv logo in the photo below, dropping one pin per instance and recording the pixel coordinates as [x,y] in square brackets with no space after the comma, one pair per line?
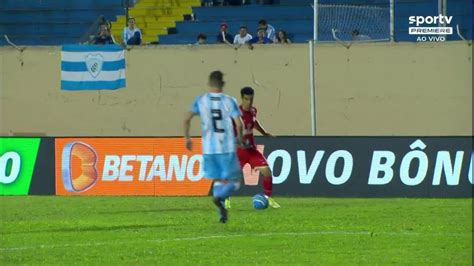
[441,29]
[420,20]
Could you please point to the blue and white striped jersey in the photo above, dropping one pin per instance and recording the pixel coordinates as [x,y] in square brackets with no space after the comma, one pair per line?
[217,111]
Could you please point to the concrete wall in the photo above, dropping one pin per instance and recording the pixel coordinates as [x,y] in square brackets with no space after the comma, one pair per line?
[369,89]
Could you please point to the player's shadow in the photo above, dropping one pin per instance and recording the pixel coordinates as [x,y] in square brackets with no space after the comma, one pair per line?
[163,210]
[94,228]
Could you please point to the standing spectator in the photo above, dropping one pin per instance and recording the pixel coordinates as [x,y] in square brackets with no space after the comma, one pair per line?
[104,36]
[261,37]
[223,36]
[282,37]
[243,37]
[132,35]
[201,39]
[269,29]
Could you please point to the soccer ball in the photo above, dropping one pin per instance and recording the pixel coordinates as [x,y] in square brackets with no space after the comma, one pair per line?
[260,202]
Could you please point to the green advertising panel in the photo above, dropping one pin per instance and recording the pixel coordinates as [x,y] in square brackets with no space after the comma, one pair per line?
[17,162]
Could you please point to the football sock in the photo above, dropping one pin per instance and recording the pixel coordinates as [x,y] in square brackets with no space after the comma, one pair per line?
[225,190]
[267,185]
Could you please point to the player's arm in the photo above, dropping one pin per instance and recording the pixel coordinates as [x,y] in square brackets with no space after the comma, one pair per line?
[187,127]
[260,129]
[237,118]
[239,126]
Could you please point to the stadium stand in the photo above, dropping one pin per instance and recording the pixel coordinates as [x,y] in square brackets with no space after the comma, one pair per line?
[50,22]
[295,16]
[154,17]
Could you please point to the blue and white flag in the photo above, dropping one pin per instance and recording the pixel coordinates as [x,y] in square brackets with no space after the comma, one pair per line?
[92,67]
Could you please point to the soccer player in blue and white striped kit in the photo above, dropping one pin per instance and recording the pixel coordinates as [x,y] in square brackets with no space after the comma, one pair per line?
[219,142]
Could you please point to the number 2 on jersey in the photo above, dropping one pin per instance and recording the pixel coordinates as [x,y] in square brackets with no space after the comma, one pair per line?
[216,116]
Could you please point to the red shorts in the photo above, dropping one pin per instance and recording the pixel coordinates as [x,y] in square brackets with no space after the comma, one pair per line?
[251,156]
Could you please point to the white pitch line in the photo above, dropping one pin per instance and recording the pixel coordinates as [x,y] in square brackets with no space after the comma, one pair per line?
[234,236]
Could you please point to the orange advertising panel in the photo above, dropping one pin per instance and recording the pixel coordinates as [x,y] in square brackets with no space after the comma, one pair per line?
[129,166]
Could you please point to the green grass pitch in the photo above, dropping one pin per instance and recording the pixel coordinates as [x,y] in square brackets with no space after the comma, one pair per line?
[185,230]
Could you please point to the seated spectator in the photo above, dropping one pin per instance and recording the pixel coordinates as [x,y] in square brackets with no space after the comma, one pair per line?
[132,35]
[356,36]
[223,36]
[282,37]
[201,39]
[243,37]
[104,36]
[207,2]
[261,37]
[269,29]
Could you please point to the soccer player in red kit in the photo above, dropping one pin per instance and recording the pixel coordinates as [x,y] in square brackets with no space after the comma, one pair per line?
[250,154]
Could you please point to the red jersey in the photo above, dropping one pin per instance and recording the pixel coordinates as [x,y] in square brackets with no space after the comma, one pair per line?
[249,118]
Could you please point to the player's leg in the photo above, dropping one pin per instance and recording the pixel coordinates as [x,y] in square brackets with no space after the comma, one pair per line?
[243,156]
[230,182]
[227,203]
[268,186]
[258,161]
[212,170]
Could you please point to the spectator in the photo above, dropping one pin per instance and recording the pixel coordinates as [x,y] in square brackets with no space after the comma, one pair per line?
[207,2]
[104,36]
[269,29]
[201,39]
[356,36]
[261,37]
[223,36]
[282,37]
[243,37]
[132,35]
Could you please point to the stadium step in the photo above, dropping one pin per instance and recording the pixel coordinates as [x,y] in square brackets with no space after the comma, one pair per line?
[155,17]
[145,31]
[160,11]
[140,20]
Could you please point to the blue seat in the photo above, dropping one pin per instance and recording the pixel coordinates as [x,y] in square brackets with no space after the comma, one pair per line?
[252,13]
[52,22]
[333,2]
[56,16]
[55,4]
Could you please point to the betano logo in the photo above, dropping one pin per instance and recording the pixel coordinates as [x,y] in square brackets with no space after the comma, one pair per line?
[129,167]
[118,168]
[133,167]
[79,170]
